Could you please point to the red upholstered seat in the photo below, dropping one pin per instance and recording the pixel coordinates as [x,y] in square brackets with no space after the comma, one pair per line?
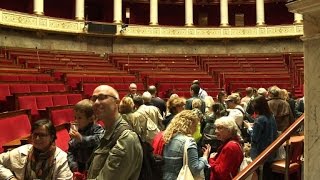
[59,100]
[19,88]
[4,91]
[14,127]
[140,86]
[28,102]
[62,116]
[44,101]
[88,89]
[9,78]
[121,86]
[56,88]
[63,138]
[88,79]
[74,98]
[44,78]
[122,94]
[28,78]
[101,79]
[129,79]
[116,79]
[38,88]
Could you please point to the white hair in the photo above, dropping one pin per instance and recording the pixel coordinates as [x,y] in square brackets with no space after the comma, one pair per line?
[228,123]
[146,96]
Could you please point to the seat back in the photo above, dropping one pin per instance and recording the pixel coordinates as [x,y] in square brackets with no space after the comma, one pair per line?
[13,125]
[59,100]
[38,87]
[28,102]
[44,101]
[296,151]
[63,138]
[4,91]
[74,98]
[62,116]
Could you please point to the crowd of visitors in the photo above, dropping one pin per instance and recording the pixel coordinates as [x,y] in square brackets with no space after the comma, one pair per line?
[211,131]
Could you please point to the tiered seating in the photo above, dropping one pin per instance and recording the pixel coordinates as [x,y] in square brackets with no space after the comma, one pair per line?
[296,63]
[26,77]
[236,72]
[163,71]
[74,80]
[140,62]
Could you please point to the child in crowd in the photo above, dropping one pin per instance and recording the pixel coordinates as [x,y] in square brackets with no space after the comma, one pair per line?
[85,136]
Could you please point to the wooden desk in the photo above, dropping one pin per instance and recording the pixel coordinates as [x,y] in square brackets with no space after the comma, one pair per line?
[296,139]
[16,143]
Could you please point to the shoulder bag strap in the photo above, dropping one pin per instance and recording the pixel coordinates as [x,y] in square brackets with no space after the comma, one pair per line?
[185,152]
[241,111]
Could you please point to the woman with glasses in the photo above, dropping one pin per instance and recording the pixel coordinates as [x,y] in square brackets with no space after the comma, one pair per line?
[39,160]
[225,163]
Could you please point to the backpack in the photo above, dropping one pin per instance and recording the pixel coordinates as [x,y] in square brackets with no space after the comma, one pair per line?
[151,164]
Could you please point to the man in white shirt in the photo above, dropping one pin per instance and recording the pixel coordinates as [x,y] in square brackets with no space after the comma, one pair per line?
[202,93]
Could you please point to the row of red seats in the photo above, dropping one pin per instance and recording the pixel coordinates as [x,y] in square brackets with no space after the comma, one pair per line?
[184,86]
[40,102]
[73,80]
[10,89]
[122,88]
[26,77]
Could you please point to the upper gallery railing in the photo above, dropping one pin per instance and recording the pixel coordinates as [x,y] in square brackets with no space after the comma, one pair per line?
[34,22]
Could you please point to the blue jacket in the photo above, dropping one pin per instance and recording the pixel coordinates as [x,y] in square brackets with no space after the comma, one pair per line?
[80,152]
[173,157]
[263,134]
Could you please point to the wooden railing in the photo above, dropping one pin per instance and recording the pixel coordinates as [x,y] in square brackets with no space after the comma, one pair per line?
[271,148]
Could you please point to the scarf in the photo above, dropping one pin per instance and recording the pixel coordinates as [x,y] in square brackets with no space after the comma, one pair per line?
[40,164]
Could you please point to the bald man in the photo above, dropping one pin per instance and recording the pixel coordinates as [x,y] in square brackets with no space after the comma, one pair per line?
[132,90]
[156,101]
[119,144]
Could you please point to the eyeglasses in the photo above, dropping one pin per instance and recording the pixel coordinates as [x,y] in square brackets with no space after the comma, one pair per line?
[40,135]
[220,127]
[101,97]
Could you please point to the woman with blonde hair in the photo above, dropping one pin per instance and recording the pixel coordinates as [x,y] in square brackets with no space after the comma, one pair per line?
[178,133]
[209,102]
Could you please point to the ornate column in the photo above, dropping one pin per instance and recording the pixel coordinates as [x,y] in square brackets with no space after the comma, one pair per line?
[310,9]
[117,11]
[224,16]
[188,12]
[260,12]
[38,7]
[79,13]
[153,12]
[298,18]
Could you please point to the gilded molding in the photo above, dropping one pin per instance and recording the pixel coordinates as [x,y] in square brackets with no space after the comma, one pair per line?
[212,33]
[29,21]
